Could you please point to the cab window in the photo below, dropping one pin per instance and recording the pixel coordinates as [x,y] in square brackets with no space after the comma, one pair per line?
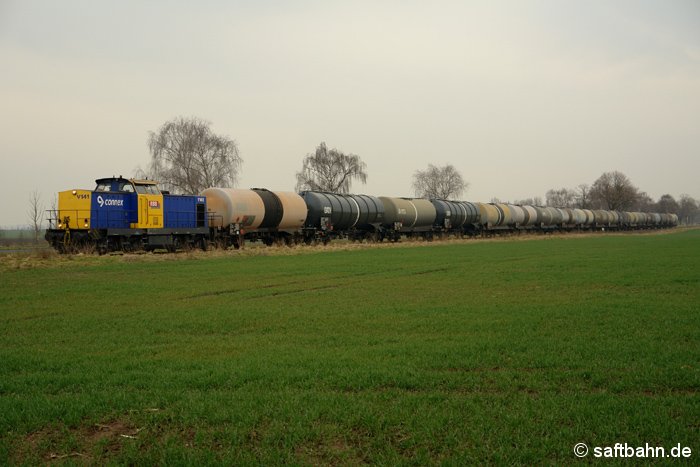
[147,189]
[126,187]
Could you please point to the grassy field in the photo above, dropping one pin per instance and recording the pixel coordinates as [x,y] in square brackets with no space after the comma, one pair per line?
[18,239]
[465,352]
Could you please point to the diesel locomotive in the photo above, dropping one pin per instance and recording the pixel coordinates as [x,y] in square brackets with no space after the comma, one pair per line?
[129,214]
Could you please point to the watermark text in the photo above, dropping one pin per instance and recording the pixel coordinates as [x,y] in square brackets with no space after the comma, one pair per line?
[629,450]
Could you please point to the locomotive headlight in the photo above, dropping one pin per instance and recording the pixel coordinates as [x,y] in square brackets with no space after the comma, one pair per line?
[75,192]
[86,224]
[60,226]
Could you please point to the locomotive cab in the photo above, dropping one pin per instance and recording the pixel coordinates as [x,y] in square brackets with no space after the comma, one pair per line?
[128,203]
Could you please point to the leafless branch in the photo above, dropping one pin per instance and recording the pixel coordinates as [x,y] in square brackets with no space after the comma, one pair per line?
[439,183]
[186,157]
[330,170]
[35,213]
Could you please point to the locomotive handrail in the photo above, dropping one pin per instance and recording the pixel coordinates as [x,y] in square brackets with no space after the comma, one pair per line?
[58,216]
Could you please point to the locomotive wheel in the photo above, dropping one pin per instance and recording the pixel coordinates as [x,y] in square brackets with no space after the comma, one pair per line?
[101,248]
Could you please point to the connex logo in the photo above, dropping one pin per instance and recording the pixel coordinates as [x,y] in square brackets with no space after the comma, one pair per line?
[109,201]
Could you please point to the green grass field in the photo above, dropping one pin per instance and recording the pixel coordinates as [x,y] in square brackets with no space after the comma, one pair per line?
[464,352]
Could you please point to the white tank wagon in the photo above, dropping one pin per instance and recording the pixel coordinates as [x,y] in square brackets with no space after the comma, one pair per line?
[531,217]
[519,215]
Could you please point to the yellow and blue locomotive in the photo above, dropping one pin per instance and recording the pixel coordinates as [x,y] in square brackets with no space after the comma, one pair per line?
[127,215]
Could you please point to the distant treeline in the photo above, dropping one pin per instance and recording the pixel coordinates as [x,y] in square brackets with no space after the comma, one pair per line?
[18,235]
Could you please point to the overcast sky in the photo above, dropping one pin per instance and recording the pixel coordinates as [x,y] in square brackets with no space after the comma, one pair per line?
[520,96]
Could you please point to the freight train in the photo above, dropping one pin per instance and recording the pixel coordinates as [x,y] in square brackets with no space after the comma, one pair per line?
[128,215]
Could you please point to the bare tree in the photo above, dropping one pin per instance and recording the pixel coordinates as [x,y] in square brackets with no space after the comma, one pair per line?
[186,157]
[583,196]
[330,170]
[668,204]
[536,201]
[688,209]
[439,182]
[561,198]
[613,191]
[35,212]
[644,203]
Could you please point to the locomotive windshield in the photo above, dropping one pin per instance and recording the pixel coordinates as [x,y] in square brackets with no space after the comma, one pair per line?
[122,185]
[113,185]
[149,189]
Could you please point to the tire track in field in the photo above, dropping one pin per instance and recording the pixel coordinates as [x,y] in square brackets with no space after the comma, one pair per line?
[335,285]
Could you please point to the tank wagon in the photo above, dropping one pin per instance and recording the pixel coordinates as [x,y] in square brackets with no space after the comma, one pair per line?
[256,214]
[455,217]
[131,214]
[332,215]
[407,217]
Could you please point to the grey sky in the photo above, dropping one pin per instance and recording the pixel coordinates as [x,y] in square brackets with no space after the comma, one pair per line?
[520,96]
